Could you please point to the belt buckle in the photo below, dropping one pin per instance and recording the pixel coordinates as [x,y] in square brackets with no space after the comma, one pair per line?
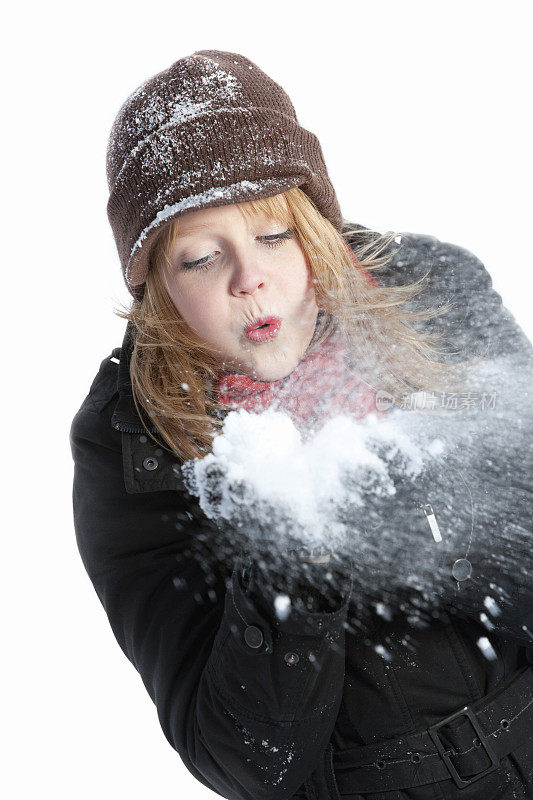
[445,754]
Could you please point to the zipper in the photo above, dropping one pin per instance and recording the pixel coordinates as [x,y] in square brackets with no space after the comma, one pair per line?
[124,427]
[461,570]
[427,508]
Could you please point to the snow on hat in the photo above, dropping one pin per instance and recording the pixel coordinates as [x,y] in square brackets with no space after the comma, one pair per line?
[210,130]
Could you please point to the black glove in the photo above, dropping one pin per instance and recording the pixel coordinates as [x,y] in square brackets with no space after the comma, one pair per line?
[314,582]
[279,561]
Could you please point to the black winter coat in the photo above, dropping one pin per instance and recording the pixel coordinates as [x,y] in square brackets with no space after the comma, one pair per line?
[263,708]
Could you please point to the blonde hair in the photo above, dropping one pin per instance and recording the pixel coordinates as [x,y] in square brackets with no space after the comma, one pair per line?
[173,372]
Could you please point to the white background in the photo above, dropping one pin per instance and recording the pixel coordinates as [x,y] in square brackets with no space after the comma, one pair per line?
[423,110]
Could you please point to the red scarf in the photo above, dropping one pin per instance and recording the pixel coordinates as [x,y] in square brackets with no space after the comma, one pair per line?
[319,387]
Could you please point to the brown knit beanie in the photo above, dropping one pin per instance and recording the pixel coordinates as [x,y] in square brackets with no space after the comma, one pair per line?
[210,130]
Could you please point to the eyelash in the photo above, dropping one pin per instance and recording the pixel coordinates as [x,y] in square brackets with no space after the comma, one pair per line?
[274,242]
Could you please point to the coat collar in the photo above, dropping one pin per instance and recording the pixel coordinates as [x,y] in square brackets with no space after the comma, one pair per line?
[125,417]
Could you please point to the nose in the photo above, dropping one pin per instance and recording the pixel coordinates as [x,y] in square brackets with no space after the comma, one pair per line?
[247,275]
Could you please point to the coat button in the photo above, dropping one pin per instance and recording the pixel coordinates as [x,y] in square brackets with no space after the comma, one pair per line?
[150,463]
[291,659]
[253,636]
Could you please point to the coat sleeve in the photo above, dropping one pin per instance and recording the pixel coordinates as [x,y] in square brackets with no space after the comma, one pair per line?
[495,465]
[248,702]
[476,320]
[480,321]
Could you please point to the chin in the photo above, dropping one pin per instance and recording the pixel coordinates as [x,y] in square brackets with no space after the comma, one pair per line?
[274,371]
[272,375]
[273,366]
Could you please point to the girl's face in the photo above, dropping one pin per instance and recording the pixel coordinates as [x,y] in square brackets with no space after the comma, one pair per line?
[229,271]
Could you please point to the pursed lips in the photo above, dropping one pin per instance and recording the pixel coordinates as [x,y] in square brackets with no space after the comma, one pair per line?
[263,329]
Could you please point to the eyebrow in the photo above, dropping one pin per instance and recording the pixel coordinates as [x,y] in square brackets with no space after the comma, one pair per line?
[201,226]
[192,228]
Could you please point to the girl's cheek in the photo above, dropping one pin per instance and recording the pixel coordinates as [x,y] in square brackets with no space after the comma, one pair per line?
[310,280]
[310,294]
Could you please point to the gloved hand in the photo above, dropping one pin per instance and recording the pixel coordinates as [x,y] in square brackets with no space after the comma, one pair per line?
[281,559]
[321,585]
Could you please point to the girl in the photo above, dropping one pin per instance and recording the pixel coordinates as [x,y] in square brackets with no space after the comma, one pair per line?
[251,293]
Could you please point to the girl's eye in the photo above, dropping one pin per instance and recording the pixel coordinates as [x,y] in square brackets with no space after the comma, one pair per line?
[270,241]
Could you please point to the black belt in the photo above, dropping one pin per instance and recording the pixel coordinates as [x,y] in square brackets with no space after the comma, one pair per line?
[485,732]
